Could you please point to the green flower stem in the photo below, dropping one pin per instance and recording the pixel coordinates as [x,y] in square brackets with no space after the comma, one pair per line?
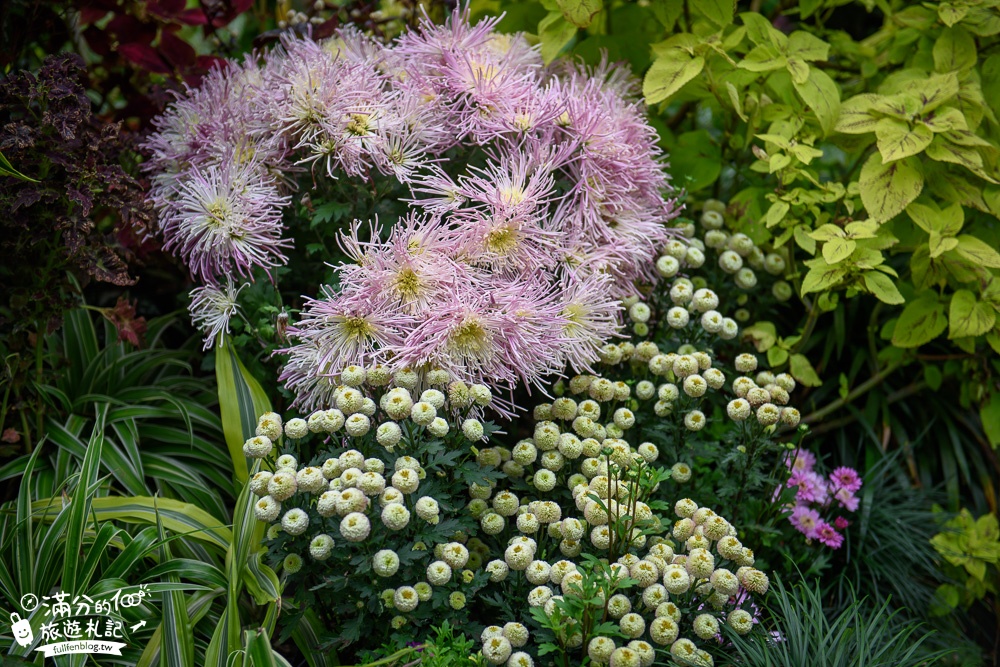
[860,390]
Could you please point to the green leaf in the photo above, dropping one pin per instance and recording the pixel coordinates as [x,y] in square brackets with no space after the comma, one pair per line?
[668,74]
[7,169]
[882,287]
[580,12]
[954,50]
[897,139]
[949,119]
[760,31]
[762,334]
[937,90]
[807,46]
[968,316]
[938,244]
[695,160]
[776,356]
[803,371]
[856,115]
[921,321]
[821,276]
[554,33]
[887,189]
[951,14]
[978,252]
[828,232]
[808,7]
[719,12]
[776,213]
[763,58]
[989,413]
[943,150]
[80,508]
[838,249]
[947,222]
[821,95]
[241,402]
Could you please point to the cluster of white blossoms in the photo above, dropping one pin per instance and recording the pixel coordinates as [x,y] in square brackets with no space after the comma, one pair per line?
[690,579]
[344,501]
[736,255]
[763,397]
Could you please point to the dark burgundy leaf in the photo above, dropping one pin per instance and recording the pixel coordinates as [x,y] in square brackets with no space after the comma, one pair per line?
[98,41]
[166,8]
[192,17]
[177,52]
[130,29]
[89,15]
[145,57]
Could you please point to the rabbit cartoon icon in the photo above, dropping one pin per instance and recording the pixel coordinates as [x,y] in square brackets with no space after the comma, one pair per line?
[22,630]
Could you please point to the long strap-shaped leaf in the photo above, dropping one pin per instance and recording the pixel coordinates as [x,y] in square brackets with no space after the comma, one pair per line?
[241,401]
[80,507]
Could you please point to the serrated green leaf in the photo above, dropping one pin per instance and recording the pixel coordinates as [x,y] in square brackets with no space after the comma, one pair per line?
[802,370]
[887,189]
[882,287]
[838,249]
[719,12]
[668,74]
[856,115]
[936,90]
[580,13]
[969,316]
[828,232]
[821,276]
[969,157]
[978,252]
[776,213]
[763,58]
[950,14]
[554,33]
[947,119]
[898,139]
[921,321]
[807,46]
[954,49]
[820,94]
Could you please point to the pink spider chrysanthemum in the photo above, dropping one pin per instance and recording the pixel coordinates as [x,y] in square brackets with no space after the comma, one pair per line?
[212,307]
[226,219]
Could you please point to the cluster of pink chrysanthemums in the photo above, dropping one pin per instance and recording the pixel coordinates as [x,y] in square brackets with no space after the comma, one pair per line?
[817,495]
[500,273]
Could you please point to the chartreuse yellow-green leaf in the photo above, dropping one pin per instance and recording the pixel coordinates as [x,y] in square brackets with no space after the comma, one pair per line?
[668,74]
[580,13]
[822,96]
[882,287]
[898,139]
[921,321]
[802,370]
[856,115]
[887,189]
[978,252]
[719,12]
[554,33]
[969,316]
[821,276]
[954,49]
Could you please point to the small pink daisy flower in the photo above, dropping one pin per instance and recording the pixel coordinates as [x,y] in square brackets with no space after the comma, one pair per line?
[826,534]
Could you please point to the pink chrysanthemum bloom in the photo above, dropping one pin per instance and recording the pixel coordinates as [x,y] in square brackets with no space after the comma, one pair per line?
[826,534]
[802,461]
[212,307]
[333,333]
[806,520]
[226,219]
[812,487]
[846,478]
[846,499]
[840,523]
[591,317]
